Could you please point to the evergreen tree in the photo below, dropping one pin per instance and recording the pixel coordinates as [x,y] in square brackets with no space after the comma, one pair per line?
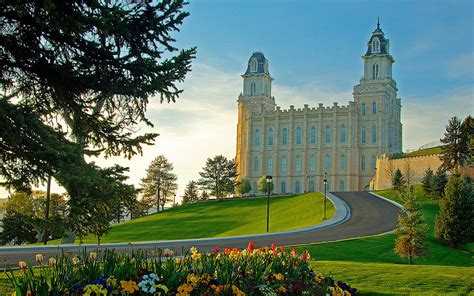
[218,176]
[262,184]
[427,181]
[191,193]
[439,183]
[411,230]
[204,195]
[159,185]
[456,149]
[243,186]
[398,181]
[468,132]
[455,221]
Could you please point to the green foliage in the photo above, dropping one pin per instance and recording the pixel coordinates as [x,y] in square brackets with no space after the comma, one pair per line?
[191,193]
[263,185]
[219,176]
[398,181]
[456,151]
[427,181]
[25,217]
[439,183]
[159,186]
[411,230]
[455,221]
[243,186]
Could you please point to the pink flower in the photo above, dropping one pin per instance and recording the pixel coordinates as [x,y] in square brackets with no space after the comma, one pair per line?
[216,250]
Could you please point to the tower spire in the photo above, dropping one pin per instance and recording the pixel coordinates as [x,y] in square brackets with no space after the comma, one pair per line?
[378,23]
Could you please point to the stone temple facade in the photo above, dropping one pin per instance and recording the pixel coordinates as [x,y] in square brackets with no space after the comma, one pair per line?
[297,146]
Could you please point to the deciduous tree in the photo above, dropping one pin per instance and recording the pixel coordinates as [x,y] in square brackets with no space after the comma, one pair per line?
[243,186]
[262,185]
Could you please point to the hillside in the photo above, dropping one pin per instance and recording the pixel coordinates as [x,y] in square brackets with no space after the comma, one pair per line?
[222,218]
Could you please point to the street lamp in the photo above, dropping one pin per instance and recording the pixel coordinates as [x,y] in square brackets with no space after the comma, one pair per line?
[325,192]
[269,181]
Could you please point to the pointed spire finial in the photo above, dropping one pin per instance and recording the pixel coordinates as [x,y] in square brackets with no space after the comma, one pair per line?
[378,22]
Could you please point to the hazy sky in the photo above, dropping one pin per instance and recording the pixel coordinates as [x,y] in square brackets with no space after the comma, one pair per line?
[314,50]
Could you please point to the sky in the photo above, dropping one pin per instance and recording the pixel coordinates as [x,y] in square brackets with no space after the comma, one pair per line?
[314,50]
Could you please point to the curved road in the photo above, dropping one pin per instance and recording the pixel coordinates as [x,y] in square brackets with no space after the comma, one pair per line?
[369,215]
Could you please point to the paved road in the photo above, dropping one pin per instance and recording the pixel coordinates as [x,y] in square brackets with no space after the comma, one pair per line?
[369,215]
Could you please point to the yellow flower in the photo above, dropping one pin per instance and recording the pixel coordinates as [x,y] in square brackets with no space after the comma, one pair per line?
[96,289]
[129,286]
[196,256]
[75,260]
[282,289]
[13,294]
[191,278]
[279,277]
[194,250]
[22,265]
[111,281]
[162,287]
[52,261]
[39,258]
[92,255]
[185,290]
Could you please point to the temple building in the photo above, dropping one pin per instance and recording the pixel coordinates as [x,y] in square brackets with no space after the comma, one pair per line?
[299,145]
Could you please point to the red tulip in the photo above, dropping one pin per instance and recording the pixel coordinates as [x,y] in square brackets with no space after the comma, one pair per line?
[251,246]
[274,246]
[216,250]
[282,248]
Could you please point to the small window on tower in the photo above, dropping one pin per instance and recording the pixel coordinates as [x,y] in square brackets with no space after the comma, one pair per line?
[375,45]
[375,71]
[253,65]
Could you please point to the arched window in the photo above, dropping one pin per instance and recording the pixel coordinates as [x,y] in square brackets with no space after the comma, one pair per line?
[298,135]
[362,110]
[328,134]
[362,135]
[373,162]
[270,137]
[283,165]
[312,135]
[375,45]
[255,164]
[282,187]
[257,137]
[297,187]
[312,163]
[343,133]
[375,71]
[342,187]
[253,65]
[362,163]
[298,163]
[374,108]
[327,163]
[284,136]
[342,162]
[311,186]
[270,164]
[374,134]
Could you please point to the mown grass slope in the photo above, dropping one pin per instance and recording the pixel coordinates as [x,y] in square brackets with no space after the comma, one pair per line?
[222,218]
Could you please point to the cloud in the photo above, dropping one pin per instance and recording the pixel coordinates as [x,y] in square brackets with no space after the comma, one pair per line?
[462,66]
[424,119]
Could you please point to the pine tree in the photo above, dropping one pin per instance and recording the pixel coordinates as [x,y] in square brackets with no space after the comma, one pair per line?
[439,183]
[427,181]
[191,193]
[455,221]
[204,195]
[456,149]
[218,176]
[468,132]
[398,181]
[159,185]
[411,230]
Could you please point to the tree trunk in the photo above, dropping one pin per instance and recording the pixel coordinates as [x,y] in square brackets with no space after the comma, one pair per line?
[46,212]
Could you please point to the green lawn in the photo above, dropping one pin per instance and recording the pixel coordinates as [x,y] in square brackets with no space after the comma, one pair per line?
[397,279]
[222,218]
[423,152]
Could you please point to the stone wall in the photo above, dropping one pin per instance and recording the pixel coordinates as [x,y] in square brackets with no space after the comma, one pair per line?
[417,166]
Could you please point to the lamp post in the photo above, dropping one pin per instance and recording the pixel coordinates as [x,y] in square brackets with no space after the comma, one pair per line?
[269,181]
[325,192]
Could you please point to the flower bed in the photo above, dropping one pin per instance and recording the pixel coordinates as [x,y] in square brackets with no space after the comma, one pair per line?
[265,271]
